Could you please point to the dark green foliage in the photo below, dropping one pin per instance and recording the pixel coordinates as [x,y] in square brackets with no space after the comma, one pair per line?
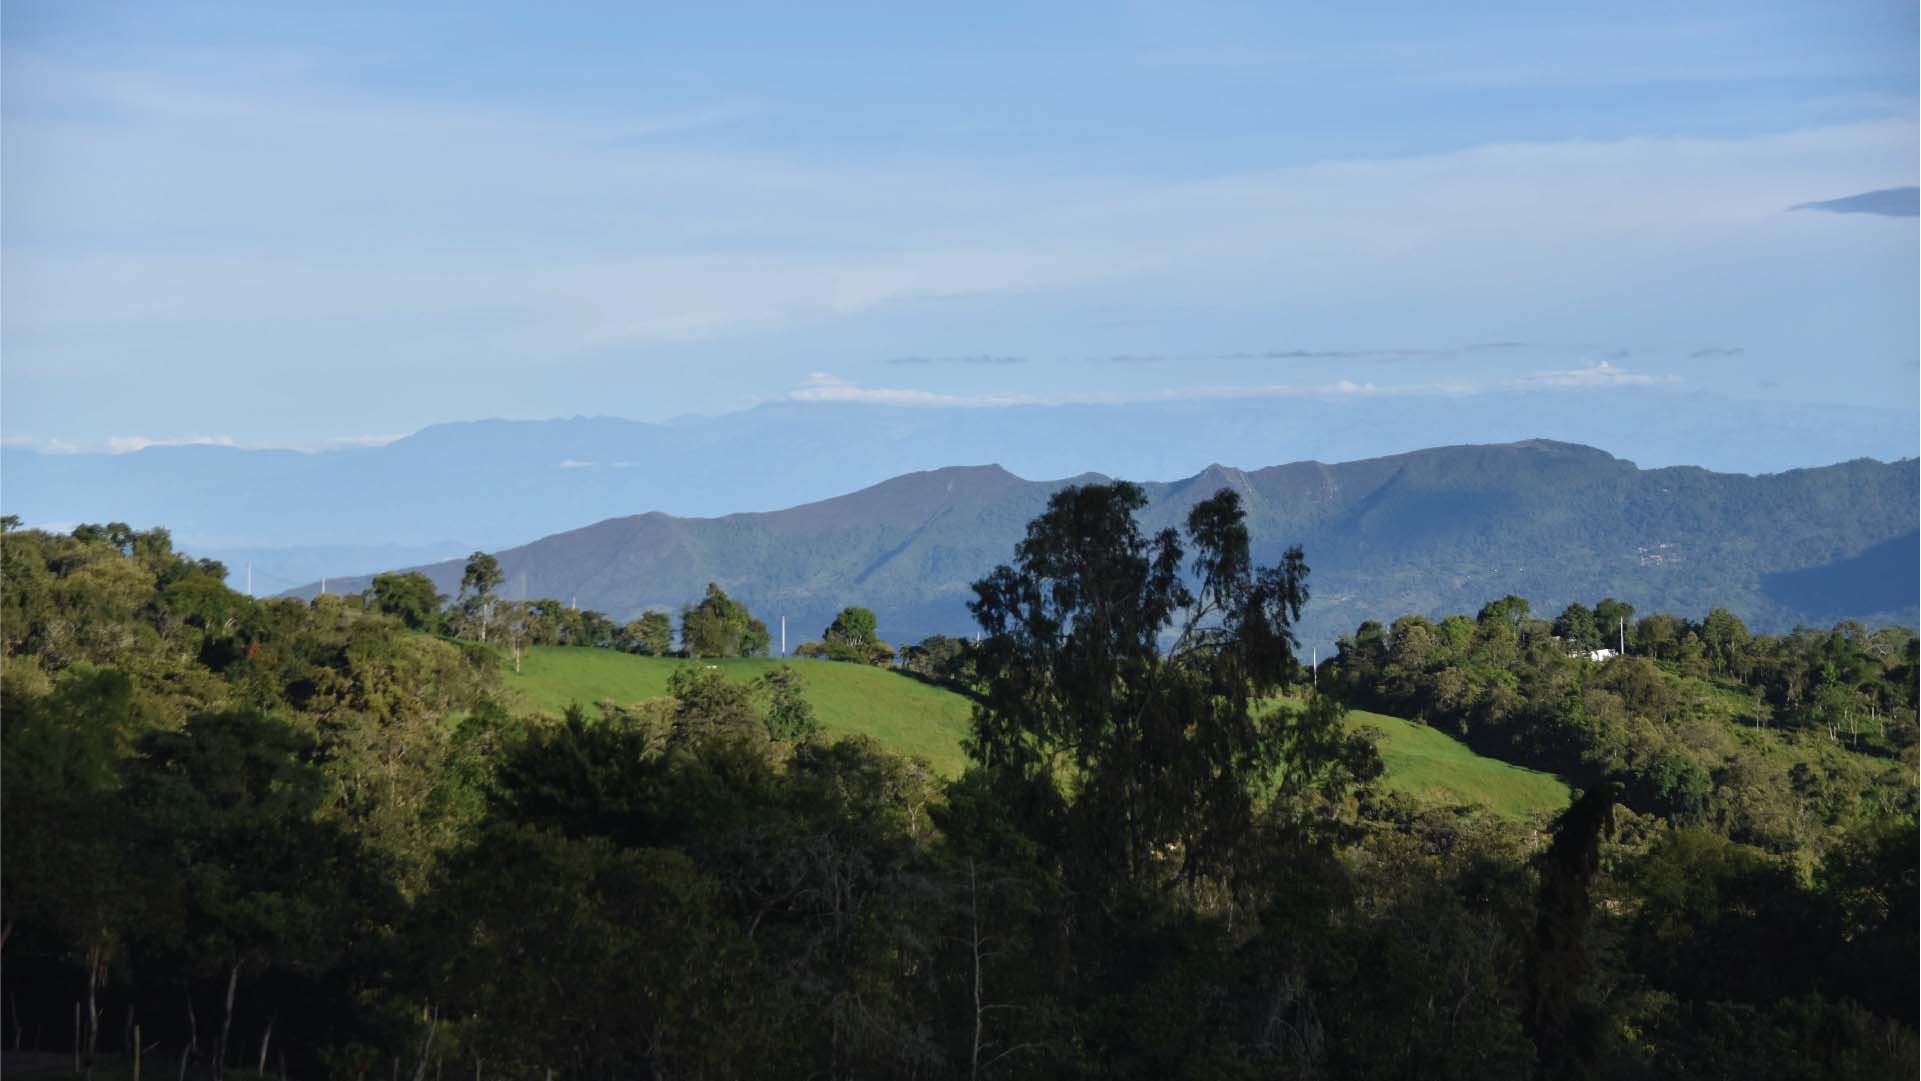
[709,707]
[720,626]
[851,637]
[1438,976]
[1674,787]
[1612,618]
[652,635]
[245,874]
[1577,627]
[790,717]
[1164,751]
[612,961]
[1658,723]
[942,659]
[66,865]
[1565,1029]
[1801,1039]
[1868,884]
[410,597]
[1153,870]
[478,580]
[1509,610]
[854,625]
[482,576]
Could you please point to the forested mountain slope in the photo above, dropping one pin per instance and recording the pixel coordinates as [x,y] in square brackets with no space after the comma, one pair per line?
[1433,531]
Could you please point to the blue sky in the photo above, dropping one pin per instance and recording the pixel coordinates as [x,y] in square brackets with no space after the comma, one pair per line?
[311,226]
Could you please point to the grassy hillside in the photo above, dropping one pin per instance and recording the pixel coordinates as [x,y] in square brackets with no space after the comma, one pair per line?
[906,715]
[914,718]
[1432,765]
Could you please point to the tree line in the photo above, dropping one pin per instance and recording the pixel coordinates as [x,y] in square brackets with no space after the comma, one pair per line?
[715,626]
[1777,739]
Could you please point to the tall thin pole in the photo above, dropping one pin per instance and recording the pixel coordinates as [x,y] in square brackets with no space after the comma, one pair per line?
[1623,620]
[323,587]
[783,636]
[249,577]
[1314,668]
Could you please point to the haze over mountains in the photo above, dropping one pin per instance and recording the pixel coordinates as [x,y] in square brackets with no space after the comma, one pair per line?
[1435,531]
[454,487]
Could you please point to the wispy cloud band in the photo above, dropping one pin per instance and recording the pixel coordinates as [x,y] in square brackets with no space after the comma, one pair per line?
[822,387]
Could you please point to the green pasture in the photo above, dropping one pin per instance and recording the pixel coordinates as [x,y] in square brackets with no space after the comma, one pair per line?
[915,718]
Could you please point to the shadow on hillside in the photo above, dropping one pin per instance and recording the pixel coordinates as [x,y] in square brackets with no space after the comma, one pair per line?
[1883,578]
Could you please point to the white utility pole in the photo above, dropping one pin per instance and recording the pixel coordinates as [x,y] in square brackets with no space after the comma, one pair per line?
[783,636]
[323,587]
[1624,635]
[1314,667]
[249,577]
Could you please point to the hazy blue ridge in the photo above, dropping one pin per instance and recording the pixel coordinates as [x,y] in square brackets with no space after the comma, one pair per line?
[499,483]
[1434,531]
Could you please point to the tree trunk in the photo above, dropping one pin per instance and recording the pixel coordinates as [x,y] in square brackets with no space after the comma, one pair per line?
[136,1053]
[974,907]
[96,960]
[426,1049]
[265,1039]
[226,1025]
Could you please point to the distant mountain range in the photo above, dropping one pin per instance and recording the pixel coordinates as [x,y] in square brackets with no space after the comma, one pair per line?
[500,483]
[1434,531]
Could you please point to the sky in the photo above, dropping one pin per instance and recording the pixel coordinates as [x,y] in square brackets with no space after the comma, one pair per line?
[326,225]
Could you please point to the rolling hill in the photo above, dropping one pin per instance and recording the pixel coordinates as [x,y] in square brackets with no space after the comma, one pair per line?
[911,717]
[1434,531]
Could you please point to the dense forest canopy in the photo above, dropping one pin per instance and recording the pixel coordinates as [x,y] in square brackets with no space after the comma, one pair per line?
[325,837]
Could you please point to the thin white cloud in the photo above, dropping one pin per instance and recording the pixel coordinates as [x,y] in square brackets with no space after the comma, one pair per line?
[1600,375]
[127,444]
[828,388]
[574,463]
[822,387]
[347,441]
[131,444]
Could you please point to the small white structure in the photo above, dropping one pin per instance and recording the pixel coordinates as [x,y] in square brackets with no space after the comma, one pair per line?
[1596,654]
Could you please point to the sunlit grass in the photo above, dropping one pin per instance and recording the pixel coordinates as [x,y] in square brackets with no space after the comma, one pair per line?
[911,717]
[1435,766]
[904,714]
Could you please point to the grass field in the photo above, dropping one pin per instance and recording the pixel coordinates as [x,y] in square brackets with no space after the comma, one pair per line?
[1434,766]
[914,718]
[906,715]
